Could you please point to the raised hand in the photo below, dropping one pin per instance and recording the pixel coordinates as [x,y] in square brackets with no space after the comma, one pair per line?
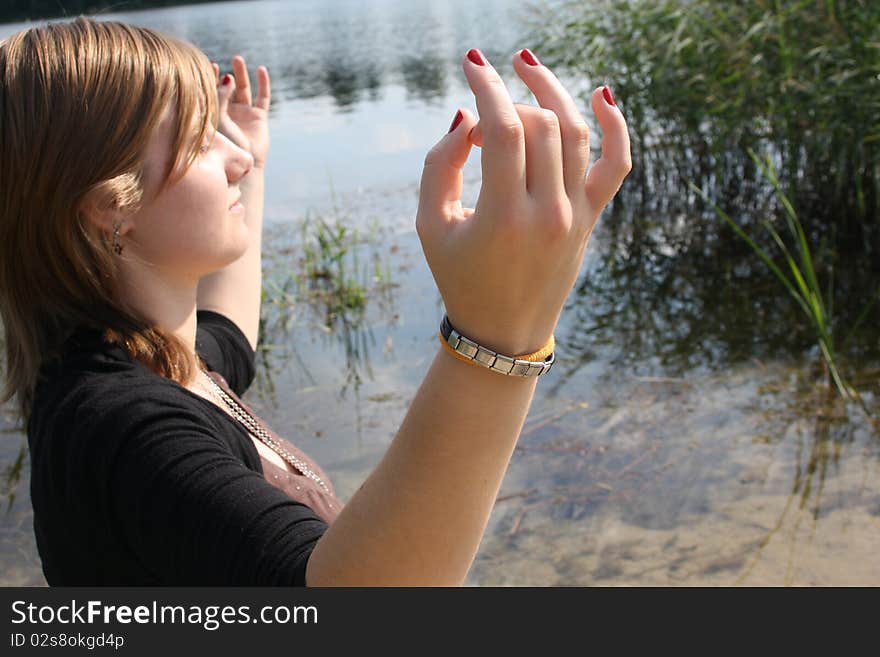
[244,120]
[505,268]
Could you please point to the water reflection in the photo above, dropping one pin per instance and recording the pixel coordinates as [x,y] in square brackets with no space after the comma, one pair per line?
[673,291]
[826,431]
[348,50]
[425,77]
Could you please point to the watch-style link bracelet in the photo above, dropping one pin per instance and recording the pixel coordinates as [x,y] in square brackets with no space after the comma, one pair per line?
[467,350]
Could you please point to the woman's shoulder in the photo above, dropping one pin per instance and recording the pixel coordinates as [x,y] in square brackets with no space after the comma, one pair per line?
[98,410]
[94,382]
[90,370]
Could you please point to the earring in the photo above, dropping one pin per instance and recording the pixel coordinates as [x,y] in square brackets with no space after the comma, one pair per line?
[117,245]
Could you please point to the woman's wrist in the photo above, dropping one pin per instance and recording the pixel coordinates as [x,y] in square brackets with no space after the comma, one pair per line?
[504,341]
[523,364]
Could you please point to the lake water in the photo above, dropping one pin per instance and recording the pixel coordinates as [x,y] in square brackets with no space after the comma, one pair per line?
[672,444]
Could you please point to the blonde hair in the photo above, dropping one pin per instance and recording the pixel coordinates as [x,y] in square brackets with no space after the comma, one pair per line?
[79,101]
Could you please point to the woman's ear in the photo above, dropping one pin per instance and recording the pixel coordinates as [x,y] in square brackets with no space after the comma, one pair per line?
[97,211]
[107,205]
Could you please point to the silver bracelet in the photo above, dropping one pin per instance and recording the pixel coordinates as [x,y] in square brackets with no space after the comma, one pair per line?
[490,359]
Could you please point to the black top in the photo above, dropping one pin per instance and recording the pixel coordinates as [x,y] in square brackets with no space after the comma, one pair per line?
[135,480]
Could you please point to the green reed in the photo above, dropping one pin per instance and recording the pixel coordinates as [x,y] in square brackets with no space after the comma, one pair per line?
[801,280]
[327,267]
[317,272]
[316,268]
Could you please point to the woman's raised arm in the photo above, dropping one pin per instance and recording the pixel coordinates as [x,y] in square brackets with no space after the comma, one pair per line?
[504,270]
[235,290]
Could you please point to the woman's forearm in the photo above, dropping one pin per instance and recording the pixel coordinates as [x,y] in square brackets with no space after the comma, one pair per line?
[419,517]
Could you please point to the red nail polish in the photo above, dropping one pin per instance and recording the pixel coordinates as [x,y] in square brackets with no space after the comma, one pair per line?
[226,79]
[476,57]
[606,91]
[458,117]
[529,57]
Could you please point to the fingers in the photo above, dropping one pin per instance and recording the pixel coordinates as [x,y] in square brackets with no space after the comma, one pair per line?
[544,175]
[440,188]
[608,172]
[551,95]
[242,81]
[504,149]
[242,86]
[544,172]
[264,89]
[557,139]
[224,93]
[542,150]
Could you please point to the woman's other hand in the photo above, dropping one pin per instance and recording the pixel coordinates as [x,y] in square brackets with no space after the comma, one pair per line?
[245,121]
[505,268]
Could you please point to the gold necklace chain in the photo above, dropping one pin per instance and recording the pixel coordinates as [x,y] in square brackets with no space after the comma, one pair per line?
[253,427]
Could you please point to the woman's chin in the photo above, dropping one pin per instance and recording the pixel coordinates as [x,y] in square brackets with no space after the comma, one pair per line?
[244,239]
[240,250]
[234,251]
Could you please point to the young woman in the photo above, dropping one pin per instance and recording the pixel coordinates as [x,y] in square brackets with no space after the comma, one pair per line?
[131,192]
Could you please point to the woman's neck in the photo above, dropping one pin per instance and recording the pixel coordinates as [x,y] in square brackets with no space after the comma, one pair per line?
[170,305]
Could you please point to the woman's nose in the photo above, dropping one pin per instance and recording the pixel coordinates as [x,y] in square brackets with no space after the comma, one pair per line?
[238,162]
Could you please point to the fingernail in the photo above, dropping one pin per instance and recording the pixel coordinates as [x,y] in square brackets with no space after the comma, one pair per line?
[226,79]
[476,57]
[606,91]
[458,117]
[529,57]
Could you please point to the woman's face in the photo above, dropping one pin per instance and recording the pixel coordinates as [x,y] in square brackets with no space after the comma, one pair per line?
[196,225]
